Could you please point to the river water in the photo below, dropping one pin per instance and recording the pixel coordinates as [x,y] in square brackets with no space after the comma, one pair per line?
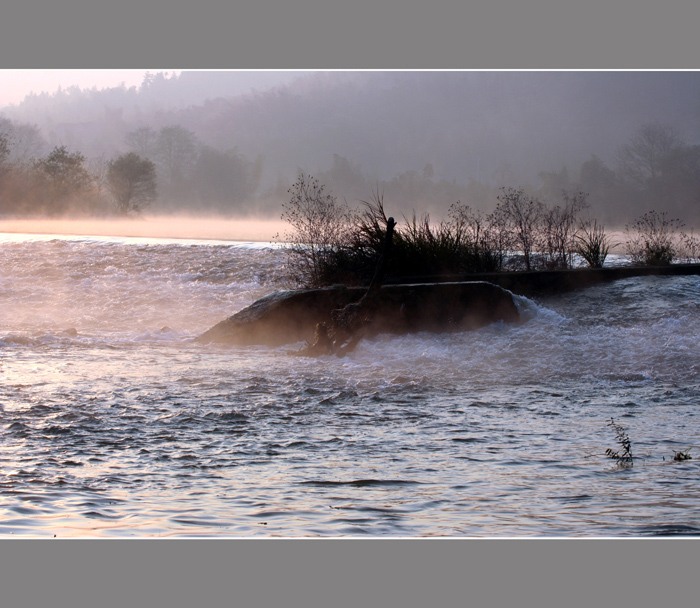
[115,424]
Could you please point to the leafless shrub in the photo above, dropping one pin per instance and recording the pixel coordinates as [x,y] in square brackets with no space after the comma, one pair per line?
[654,239]
[689,248]
[538,236]
[319,230]
[522,217]
[484,234]
[560,227]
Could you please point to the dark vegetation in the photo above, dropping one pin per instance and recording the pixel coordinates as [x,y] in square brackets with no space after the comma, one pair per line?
[349,323]
[592,244]
[655,239]
[330,243]
[167,170]
[62,182]
[132,182]
[682,455]
[623,455]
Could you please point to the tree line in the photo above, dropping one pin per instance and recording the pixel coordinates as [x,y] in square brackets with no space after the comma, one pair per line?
[654,169]
[61,183]
[170,170]
[166,170]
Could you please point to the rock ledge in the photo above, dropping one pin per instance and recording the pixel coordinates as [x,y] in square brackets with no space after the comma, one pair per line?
[284,317]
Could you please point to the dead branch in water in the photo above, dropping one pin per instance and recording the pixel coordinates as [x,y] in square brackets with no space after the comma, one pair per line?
[348,324]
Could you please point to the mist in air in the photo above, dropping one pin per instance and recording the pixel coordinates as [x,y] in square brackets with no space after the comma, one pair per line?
[208,146]
[117,421]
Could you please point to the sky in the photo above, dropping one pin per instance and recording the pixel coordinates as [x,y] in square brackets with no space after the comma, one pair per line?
[16,84]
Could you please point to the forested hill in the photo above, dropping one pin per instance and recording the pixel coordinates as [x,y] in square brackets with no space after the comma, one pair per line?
[425,137]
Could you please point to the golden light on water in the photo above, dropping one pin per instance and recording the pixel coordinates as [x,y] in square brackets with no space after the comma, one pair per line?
[219,229]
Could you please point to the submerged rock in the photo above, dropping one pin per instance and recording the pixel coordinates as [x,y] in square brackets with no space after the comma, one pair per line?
[284,317]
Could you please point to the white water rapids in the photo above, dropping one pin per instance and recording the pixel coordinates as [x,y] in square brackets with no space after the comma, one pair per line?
[114,423]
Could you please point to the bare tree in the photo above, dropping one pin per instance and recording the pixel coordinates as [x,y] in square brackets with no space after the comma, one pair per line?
[560,225]
[24,140]
[641,160]
[484,235]
[319,226]
[143,141]
[522,217]
[98,168]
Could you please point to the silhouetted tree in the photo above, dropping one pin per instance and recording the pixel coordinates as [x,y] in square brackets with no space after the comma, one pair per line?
[225,180]
[98,168]
[24,141]
[560,227]
[4,168]
[346,177]
[660,170]
[64,176]
[176,154]
[553,182]
[523,217]
[319,229]
[596,178]
[132,182]
[681,178]
[641,160]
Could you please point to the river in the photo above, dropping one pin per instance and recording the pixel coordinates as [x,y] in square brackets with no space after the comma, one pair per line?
[116,424]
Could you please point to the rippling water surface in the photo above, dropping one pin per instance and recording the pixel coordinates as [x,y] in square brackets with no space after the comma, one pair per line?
[115,424]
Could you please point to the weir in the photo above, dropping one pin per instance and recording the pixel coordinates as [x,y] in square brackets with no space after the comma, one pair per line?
[437,304]
[548,282]
[284,317]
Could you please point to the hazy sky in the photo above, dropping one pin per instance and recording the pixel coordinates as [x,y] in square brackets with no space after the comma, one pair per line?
[16,84]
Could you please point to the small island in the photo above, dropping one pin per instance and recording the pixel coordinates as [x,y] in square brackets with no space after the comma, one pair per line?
[360,276]
[285,317]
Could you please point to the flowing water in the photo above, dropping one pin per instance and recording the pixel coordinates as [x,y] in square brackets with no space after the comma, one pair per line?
[115,424]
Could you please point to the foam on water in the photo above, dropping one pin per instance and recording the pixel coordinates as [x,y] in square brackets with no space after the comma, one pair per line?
[115,423]
[108,286]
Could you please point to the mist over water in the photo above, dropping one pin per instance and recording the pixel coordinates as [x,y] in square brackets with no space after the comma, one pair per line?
[114,423]
[251,230]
